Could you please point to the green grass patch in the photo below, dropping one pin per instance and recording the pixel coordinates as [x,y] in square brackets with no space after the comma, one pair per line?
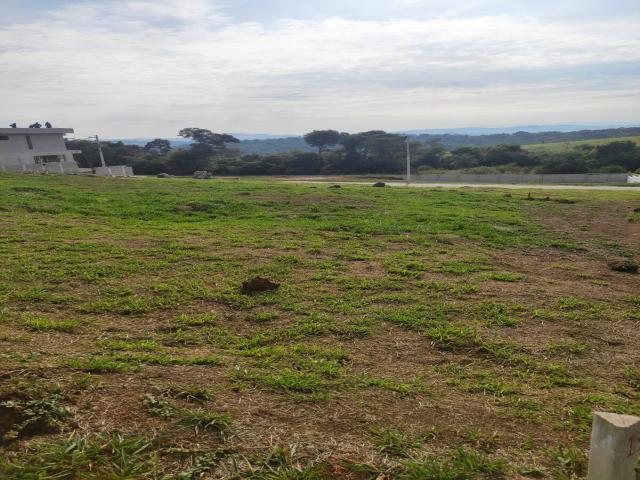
[41,323]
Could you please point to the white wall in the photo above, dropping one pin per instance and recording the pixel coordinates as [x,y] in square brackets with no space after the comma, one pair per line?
[15,151]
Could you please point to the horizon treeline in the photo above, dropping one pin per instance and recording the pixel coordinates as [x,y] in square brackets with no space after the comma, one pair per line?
[372,152]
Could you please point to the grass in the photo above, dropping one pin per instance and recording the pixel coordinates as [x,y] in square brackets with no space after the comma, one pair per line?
[200,420]
[41,323]
[458,465]
[456,312]
[117,457]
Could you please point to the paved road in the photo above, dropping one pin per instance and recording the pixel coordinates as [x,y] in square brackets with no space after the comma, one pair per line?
[530,186]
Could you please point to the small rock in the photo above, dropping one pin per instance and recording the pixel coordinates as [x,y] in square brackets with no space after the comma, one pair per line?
[164,175]
[637,209]
[626,266]
[335,186]
[202,175]
[258,285]
[379,184]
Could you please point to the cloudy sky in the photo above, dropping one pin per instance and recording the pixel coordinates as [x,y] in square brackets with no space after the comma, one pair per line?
[146,68]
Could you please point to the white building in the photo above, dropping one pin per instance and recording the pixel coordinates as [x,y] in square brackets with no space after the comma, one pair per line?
[36,150]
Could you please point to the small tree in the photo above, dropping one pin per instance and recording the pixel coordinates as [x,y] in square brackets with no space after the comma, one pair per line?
[322,139]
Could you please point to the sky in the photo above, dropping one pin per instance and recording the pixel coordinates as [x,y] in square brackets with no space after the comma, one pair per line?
[143,68]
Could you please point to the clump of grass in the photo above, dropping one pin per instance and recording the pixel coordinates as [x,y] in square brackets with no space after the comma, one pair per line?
[189,393]
[407,268]
[418,318]
[393,442]
[503,277]
[458,465]
[574,348]
[457,267]
[572,462]
[632,374]
[202,420]
[494,313]
[127,345]
[199,419]
[403,388]
[290,380]
[132,361]
[116,457]
[283,464]
[41,323]
[479,381]
[99,365]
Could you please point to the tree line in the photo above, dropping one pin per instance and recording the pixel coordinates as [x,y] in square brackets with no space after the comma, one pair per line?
[371,152]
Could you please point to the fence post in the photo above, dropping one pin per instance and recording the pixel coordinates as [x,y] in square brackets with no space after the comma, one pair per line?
[615,447]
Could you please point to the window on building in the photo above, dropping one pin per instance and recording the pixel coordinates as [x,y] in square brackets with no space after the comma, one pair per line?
[38,159]
[4,137]
[29,144]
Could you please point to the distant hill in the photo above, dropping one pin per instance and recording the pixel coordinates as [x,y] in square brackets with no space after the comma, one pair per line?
[451,141]
[564,146]
[518,128]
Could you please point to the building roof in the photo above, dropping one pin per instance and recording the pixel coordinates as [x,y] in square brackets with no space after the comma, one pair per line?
[34,131]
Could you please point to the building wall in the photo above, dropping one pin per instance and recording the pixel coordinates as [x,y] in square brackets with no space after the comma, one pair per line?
[15,151]
[114,171]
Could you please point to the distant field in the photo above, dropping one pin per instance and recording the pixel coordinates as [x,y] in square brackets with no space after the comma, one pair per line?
[422,334]
[563,146]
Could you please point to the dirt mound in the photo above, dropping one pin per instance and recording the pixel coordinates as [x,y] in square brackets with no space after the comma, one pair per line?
[626,266]
[257,285]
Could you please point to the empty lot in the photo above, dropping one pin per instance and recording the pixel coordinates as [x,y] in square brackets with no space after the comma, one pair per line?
[415,334]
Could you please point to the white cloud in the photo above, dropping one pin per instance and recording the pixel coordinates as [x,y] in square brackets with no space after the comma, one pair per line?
[147,68]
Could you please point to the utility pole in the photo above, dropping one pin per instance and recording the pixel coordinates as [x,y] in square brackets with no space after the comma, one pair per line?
[100,151]
[408,162]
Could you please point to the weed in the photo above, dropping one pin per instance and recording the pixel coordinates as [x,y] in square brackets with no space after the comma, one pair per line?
[99,365]
[117,457]
[392,442]
[189,393]
[458,465]
[632,374]
[571,461]
[293,381]
[282,464]
[199,420]
[23,416]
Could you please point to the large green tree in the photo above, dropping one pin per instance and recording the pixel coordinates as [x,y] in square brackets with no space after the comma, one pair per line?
[322,139]
[214,141]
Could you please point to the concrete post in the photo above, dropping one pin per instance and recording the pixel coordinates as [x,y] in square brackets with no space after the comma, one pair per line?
[615,447]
